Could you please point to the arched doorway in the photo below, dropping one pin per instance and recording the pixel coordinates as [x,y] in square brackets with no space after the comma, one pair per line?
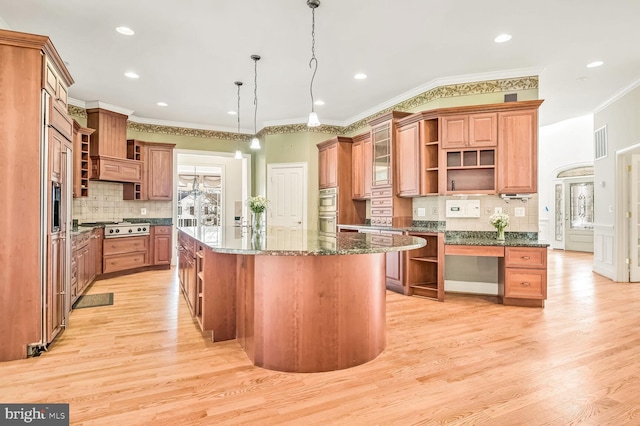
[574,202]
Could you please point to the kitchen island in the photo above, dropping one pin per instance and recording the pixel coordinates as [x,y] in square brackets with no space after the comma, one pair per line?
[297,301]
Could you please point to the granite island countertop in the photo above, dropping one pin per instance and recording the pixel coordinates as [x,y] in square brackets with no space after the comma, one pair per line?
[278,241]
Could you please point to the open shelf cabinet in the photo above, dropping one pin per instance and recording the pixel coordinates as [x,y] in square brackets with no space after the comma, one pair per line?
[424,267]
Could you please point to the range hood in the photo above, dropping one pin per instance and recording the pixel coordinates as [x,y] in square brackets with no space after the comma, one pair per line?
[108,147]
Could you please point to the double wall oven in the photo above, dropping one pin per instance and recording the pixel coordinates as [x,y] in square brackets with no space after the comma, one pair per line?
[328,211]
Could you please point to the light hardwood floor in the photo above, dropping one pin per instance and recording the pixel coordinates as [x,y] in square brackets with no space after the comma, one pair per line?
[466,361]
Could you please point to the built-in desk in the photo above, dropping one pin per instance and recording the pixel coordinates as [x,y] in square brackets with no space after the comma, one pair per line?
[522,268]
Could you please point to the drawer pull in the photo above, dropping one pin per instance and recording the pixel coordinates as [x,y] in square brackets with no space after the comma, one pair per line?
[525,258]
[525,284]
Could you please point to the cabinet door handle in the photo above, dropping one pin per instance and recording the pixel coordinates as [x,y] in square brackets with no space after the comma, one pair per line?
[525,284]
[525,258]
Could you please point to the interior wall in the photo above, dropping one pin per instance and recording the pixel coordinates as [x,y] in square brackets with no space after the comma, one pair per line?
[622,118]
[561,146]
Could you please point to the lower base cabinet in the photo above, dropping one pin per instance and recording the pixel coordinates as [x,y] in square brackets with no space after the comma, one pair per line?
[522,276]
[125,253]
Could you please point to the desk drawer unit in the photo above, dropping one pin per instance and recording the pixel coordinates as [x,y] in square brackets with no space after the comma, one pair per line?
[525,283]
[524,257]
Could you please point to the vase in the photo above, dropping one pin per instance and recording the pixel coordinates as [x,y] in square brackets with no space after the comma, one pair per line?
[500,234]
[257,223]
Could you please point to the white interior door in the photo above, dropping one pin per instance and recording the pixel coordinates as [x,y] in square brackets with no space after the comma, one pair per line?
[287,194]
[634,219]
[579,214]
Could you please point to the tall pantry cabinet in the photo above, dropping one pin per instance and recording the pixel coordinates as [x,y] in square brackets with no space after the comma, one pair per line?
[35,134]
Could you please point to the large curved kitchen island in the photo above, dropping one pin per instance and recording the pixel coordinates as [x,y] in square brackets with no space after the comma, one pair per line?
[297,301]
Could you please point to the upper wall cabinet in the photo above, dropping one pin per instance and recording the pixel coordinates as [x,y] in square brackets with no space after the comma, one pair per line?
[518,151]
[157,171]
[361,166]
[417,160]
[469,130]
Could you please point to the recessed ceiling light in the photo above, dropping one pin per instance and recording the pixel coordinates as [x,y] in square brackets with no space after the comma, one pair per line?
[319,102]
[162,104]
[502,38]
[131,74]
[594,64]
[360,76]
[231,112]
[125,31]
[581,78]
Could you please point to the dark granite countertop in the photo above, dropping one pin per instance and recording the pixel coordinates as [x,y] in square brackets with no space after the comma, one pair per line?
[278,241]
[471,238]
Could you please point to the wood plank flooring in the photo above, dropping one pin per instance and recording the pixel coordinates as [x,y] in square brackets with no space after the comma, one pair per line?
[467,361]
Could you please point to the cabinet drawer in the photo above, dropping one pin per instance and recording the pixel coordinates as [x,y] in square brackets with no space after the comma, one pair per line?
[382,192]
[525,257]
[381,202]
[125,245]
[120,262]
[381,212]
[525,283]
[162,230]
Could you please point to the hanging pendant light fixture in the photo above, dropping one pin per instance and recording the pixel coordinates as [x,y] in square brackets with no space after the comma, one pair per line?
[255,142]
[313,117]
[238,154]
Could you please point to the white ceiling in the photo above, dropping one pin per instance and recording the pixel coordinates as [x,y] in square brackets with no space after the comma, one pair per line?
[189,53]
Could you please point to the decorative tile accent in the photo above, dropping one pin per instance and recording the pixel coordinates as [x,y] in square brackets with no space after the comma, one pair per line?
[450,91]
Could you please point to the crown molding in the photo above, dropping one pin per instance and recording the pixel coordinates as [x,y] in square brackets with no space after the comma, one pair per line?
[617,96]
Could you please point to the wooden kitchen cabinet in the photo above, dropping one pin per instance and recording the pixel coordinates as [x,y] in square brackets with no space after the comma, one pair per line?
[518,151]
[522,276]
[469,130]
[335,171]
[390,209]
[161,236]
[156,181]
[417,161]
[424,267]
[81,160]
[108,148]
[125,253]
[34,80]
[361,166]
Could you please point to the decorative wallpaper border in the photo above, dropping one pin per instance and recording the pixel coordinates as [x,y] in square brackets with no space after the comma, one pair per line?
[449,91]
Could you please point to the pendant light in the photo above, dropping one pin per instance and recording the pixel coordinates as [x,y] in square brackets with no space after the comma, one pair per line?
[255,142]
[313,117]
[238,155]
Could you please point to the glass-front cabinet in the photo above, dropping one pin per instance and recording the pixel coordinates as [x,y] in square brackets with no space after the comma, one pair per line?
[381,154]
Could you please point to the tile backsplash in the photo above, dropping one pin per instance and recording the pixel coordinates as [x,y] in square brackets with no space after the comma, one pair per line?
[105,203]
[433,208]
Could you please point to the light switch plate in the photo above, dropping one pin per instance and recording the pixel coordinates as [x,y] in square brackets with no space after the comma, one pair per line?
[498,210]
[519,211]
[422,212]
[143,211]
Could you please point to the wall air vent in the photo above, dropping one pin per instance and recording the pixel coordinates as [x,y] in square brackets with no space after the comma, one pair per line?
[600,142]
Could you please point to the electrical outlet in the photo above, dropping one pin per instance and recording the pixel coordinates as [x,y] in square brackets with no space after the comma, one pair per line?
[143,211]
[422,212]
